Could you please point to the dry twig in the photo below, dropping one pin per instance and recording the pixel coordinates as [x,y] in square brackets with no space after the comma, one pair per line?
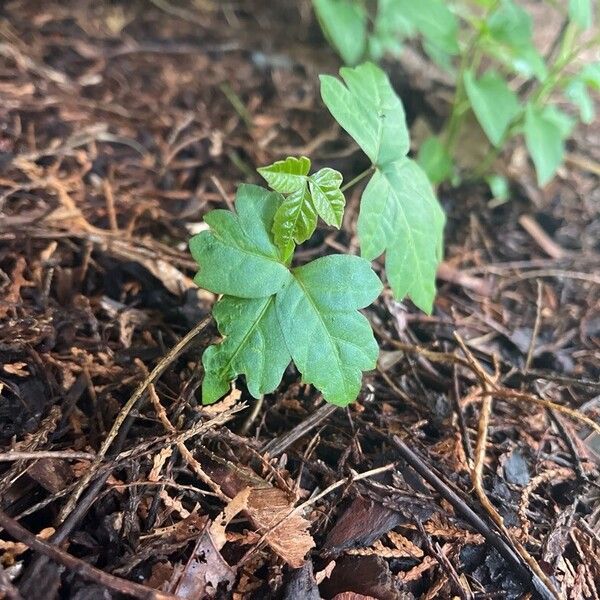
[123,414]
[85,570]
[477,472]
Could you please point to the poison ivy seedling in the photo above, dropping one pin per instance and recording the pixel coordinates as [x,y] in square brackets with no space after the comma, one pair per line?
[273,313]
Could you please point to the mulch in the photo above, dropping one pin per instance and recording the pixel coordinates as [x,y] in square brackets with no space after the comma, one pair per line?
[469,466]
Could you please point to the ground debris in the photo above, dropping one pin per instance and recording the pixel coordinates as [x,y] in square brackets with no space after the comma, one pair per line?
[119,134]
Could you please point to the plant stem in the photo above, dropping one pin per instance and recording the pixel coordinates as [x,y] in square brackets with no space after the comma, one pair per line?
[567,53]
[469,60]
[358,178]
[493,152]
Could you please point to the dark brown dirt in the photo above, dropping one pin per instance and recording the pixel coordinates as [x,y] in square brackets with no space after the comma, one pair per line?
[122,123]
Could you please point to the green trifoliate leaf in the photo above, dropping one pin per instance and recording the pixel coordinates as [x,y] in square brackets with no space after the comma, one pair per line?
[317,194]
[286,176]
[253,345]
[236,255]
[295,220]
[400,215]
[545,132]
[331,343]
[369,110]
[495,105]
[580,12]
[344,23]
[327,197]
[270,314]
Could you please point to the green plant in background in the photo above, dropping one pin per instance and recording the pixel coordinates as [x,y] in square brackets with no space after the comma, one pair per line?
[271,312]
[487,45]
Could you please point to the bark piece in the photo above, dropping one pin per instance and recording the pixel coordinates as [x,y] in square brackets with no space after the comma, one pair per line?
[363,522]
[266,507]
[366,575]
[302,584]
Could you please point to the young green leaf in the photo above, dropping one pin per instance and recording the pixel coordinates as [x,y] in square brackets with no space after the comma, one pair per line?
[344,23]
[510,24]
[500,189]
[580,12]
[495,105]
[369,110]
[295,220]
[545,131]
[236,255]
[510,40]
[435,21]
[317,194]
[577,92]
[591,75]
[331,343]
[253,346]
[400,215]
[389,29]
[562,120]
[327,197]
[286,176]
[434,159]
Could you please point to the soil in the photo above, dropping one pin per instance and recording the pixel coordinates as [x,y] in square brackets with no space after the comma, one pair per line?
[469,466]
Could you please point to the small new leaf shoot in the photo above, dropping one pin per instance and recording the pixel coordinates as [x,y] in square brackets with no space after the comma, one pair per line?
[494,103]
[310,196]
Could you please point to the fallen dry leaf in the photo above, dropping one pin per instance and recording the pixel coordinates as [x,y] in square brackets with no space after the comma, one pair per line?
[14,549]
[160,575]
[237,505]
[269,510]
[174,504]
[159,462]
[326,572]
[368,576]
[290,539]
[206,572]
[361,523]
[17,281]
[18,368]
